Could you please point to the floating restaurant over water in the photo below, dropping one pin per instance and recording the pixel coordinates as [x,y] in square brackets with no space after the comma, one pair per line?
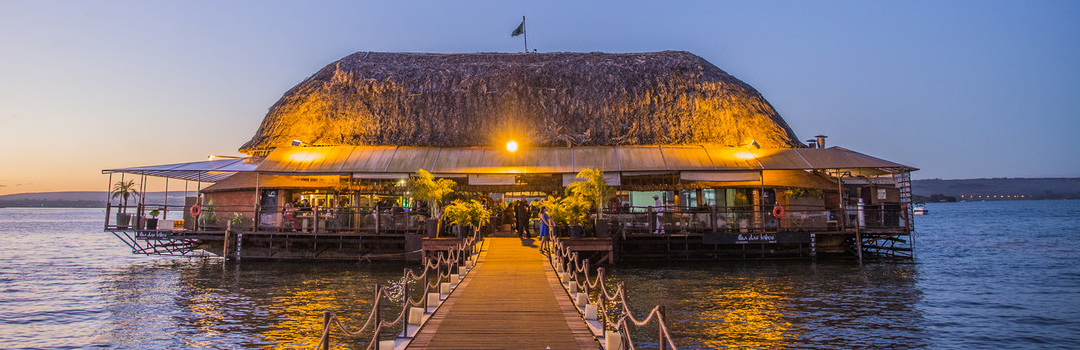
[701,166]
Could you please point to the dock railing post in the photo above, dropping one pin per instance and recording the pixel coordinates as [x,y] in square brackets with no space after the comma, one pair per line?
[602,308]
[427,283]
[660,325]
[378,315]
[325,340]
[108,211]
[405,302]
[712,218]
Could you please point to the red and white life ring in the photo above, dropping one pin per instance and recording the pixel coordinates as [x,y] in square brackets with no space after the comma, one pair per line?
[196,210]
[778,211]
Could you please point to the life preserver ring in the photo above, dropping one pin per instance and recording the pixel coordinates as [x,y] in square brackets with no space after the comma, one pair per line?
[778,211]
[196,210]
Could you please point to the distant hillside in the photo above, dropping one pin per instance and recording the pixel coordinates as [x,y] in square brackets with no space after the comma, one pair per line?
[77,199]
[52,196]
[999,188]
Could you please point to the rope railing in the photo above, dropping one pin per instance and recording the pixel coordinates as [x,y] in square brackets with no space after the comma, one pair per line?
[436,271]
[575,273]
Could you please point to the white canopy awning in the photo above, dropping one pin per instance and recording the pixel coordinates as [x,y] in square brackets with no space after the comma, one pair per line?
[205,171]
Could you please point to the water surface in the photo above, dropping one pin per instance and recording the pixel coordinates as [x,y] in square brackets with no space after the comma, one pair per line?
[987,275]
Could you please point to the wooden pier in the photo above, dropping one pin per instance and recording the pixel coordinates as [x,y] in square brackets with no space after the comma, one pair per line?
[512,300]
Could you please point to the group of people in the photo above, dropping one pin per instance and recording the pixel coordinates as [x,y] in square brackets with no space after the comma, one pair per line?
[522,215]
[292,213]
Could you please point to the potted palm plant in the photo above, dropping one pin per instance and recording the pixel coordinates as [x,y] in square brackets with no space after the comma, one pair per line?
[124,190]
[593,191]
[425,187]
[151,223]
[575,211]
[208,218]
[466,215]
[567,213]
[478,215]
[237,220]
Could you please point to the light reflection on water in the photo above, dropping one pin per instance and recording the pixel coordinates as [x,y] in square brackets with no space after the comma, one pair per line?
[210,304]
[779,304]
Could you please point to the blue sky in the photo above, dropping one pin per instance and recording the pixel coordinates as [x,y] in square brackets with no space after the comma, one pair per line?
[960,89]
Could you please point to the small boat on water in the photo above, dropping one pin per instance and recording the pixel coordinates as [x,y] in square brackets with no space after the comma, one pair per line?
[920,209]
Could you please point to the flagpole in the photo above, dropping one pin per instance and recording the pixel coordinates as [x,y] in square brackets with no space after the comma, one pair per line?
[526,33]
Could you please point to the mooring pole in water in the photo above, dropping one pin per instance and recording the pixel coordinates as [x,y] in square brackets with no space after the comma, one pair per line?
[858,229]
[225,248]
[239,243]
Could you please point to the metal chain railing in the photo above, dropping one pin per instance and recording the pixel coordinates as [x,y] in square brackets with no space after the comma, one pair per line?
[566,261]
[435,273]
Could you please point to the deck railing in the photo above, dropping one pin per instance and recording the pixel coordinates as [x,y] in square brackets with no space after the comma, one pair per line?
[625,220]
[597,311]
[272,219]
[439,278]
[742,219]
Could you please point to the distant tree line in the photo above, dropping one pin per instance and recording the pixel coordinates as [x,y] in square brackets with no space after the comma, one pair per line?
[1050,194]
[45,203]
[934,198]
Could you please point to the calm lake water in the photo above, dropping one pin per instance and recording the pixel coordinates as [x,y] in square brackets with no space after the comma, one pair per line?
[987,275]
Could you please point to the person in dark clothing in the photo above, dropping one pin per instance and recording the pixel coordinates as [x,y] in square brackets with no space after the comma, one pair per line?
[521,211]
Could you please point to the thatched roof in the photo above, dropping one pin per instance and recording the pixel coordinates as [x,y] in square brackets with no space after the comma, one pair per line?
[547,99]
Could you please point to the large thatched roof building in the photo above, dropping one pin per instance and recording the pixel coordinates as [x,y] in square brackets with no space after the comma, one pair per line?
[670,133]
[548,99]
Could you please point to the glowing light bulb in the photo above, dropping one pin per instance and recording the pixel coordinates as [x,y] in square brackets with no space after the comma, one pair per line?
[512,146]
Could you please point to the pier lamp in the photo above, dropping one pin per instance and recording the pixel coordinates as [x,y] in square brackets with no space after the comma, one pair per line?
[297,143]
[512,146]
[749,152]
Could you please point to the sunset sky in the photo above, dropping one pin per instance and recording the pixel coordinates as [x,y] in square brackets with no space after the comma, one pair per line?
[960,89]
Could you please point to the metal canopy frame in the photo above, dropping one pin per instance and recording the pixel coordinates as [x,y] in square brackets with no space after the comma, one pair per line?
[204,171]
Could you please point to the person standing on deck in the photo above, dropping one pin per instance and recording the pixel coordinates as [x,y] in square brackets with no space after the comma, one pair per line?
[515,211]
[522,213]
[545,230]
[659,216]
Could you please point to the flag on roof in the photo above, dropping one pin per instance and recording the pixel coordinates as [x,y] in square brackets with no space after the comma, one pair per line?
[520,29]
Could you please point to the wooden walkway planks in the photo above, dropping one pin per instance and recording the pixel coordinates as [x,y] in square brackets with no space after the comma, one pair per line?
[512,300]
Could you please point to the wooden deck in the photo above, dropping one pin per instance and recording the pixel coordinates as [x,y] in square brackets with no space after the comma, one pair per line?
[512,300]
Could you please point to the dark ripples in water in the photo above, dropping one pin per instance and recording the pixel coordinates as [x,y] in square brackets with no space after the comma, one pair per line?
[988,275]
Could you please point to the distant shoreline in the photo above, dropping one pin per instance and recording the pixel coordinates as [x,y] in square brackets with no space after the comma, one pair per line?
[30,203]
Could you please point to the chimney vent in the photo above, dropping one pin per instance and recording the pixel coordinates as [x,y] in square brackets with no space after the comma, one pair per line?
[812,143]
[821,141]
